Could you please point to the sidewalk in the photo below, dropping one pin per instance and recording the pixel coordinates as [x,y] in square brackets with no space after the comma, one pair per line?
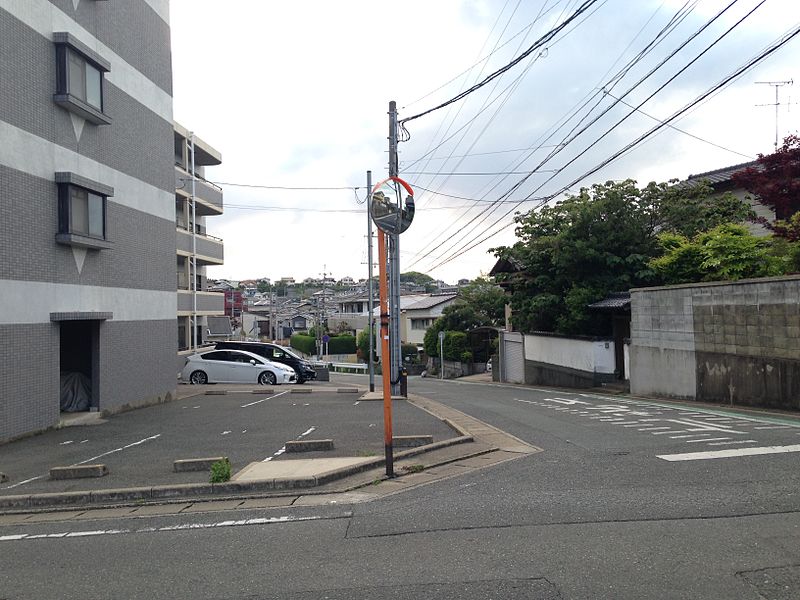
[252,428]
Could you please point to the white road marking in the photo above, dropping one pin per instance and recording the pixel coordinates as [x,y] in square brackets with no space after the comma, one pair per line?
[733,443]
[666,432]
[711,454]
[185,526]
[263,399]
[688,435]
[83,441]
[283,449]
[707,440]
[65,443]
[774,427]
[627,423]
[225,432]
[83,462]
[356,402]
[655,429]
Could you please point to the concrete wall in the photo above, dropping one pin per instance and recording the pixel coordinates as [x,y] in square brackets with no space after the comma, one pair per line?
[568,361]
[719,342]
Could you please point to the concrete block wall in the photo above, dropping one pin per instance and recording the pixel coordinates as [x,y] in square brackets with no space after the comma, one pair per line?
[733,342]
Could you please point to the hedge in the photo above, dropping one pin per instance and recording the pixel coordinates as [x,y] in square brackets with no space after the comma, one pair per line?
[304,343]
[342,344]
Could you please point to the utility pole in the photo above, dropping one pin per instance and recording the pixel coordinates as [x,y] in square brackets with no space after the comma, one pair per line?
[394,261]
[777,85]
[370,304]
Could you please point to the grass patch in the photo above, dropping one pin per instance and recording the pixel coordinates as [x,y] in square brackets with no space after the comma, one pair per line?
[220,471]
[414,468]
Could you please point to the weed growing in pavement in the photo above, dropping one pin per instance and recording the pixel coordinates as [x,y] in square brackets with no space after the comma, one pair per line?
[221,471]
[414,468]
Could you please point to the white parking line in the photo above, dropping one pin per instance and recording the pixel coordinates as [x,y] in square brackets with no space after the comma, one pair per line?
[707,440]
[264,399]
[688,435]
[774,427]
[732,443]
[655,429]
[711,454]
[666,432]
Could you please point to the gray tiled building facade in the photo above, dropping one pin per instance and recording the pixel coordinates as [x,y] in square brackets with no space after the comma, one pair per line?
[87,237]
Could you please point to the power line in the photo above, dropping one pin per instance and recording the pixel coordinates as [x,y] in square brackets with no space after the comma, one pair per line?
[736,74]
[535,46]
[285,187]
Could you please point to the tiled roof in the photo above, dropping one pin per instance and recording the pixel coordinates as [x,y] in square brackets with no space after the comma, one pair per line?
[721,175]
[612,301]
[431,301]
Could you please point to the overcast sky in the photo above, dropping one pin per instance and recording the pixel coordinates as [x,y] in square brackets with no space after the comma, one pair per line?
[295,94]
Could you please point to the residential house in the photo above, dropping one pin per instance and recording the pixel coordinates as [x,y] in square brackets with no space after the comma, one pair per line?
[721,180]
[417,317]
[87,238]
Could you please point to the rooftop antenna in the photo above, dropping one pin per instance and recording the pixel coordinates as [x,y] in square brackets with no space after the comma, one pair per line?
[777,85]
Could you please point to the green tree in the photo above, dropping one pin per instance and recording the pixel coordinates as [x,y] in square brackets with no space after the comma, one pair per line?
[362,345]
[487,299]
[727,252]
[415,277]
[601,241]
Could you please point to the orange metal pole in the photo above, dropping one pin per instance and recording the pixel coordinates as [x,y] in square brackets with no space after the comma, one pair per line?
[386,368]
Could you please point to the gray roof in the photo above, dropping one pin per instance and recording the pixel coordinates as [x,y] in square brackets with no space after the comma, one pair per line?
[723,175]
[617,300]
[431,301]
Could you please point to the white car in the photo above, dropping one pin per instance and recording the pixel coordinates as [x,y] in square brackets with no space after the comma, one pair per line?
[235,366]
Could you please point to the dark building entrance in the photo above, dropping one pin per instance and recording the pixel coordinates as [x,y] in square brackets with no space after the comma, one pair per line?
[78,353]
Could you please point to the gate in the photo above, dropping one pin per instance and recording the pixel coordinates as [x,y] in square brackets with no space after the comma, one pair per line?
[512,357]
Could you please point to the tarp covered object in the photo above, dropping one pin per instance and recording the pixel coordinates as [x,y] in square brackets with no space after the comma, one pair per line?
[76,392]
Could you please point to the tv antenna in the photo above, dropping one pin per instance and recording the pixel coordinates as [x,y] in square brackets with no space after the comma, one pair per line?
[777,85]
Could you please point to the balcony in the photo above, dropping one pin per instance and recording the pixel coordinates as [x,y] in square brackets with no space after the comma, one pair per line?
[208,303]
[210,250]
[208,195]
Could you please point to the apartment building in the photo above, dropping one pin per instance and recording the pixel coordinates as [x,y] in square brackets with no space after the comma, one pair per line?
[196,249]
[87,238]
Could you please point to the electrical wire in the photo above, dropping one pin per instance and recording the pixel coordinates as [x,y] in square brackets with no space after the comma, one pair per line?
[791,34]
[535,46]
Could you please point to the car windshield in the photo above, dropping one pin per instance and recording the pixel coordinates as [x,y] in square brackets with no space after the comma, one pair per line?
[291,353]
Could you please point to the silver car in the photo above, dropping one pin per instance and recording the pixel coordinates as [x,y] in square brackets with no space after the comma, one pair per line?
[235,366]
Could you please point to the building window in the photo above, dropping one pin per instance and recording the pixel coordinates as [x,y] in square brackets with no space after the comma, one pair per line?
[79,79]
[82,205]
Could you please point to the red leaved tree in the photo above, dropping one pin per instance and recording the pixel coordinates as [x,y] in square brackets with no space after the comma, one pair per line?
[776,182]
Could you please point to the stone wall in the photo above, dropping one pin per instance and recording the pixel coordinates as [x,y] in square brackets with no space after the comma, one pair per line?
[719,342]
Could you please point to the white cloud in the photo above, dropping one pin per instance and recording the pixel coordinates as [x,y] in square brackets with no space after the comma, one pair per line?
[296,94]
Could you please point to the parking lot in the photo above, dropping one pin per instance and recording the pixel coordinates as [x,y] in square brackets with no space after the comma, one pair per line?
[246,424]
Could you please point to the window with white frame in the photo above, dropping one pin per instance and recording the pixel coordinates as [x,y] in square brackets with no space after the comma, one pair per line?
[79,79]
[421,323]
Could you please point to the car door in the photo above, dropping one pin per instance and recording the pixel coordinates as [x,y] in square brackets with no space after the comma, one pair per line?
[242,370]
[216,365]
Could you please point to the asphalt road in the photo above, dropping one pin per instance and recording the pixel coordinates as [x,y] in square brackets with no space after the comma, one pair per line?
[623,502]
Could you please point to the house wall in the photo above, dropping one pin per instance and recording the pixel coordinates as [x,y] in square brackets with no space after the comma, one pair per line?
[132,284]
[568,361]
[719,342]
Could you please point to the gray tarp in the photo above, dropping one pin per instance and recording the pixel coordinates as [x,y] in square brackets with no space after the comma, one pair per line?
[76,392]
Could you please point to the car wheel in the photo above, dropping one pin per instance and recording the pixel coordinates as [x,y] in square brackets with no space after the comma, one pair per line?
[300,380]
[198,378]
[267,378]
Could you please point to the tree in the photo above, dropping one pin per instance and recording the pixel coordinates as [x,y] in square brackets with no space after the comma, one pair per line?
[600,241]
[775,180]
[486,299]
[727,252]
[362,345]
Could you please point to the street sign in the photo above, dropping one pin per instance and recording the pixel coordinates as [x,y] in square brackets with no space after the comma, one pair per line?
[441,336]
[326,338]
[390,212]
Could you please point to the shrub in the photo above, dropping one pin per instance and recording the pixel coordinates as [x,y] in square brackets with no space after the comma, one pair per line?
[342,344]
[304,343]
[220,471]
